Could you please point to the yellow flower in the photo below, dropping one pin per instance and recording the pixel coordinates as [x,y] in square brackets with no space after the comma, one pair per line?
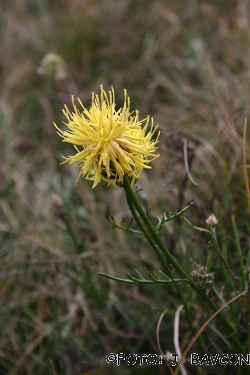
[110,144]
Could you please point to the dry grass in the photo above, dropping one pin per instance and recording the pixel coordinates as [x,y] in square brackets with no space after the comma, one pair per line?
[189,67]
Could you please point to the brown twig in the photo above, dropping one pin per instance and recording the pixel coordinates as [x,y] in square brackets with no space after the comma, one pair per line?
[202,329]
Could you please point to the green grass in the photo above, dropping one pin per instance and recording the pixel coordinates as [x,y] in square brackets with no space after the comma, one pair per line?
[188,67]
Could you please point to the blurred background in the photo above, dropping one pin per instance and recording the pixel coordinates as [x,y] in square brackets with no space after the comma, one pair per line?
[187,64]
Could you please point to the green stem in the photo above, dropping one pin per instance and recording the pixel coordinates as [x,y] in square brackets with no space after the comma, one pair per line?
[163,261]
[132,199]
[151,242]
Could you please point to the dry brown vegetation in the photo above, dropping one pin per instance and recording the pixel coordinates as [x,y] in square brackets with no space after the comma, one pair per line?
[188,65]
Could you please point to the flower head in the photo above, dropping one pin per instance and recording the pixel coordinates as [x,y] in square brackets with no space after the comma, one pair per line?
[53,65]
[212,220]
[110,144]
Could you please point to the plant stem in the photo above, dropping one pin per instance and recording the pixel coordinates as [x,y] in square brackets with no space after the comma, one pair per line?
[151,242]
[163,261]
[156,240]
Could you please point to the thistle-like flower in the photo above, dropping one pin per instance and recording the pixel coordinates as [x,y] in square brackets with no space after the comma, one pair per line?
[111,144]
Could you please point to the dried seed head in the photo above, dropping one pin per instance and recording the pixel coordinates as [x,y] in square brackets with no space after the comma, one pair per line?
[212,220]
